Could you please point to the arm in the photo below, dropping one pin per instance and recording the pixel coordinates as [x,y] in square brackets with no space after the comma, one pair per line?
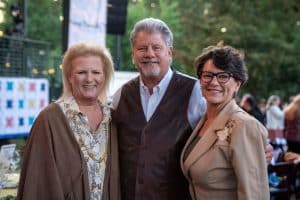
[39,176]
[116,98]
[279,114]
[197,105]
[248,159]
[292,157]
[290,110]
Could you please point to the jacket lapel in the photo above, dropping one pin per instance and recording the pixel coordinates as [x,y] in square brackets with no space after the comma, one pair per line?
[209,137]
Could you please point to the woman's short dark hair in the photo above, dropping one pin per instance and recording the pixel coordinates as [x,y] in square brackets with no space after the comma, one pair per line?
[226,58]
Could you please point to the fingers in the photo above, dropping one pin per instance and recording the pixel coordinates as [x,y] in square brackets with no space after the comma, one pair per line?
[269,153]
[292,157]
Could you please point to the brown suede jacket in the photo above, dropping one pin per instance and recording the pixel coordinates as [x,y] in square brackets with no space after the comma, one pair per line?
[53,165]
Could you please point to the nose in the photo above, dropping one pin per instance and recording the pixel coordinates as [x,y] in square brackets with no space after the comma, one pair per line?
[149,52]
[214,80]
[89,76]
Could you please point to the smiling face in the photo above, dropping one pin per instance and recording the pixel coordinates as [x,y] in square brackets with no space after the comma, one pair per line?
[214,92]
[151,55]
[87,78]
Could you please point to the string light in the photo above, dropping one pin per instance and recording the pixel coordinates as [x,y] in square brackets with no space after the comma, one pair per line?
[51,71]
[1,16]
[35,71]
[7,65]
[223,29]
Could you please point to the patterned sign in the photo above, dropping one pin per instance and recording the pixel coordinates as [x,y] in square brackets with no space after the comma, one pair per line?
[21,100]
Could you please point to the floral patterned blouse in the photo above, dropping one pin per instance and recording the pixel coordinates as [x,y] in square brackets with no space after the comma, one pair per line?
[92,145]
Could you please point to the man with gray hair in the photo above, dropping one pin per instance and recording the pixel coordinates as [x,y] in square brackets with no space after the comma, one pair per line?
[154,115]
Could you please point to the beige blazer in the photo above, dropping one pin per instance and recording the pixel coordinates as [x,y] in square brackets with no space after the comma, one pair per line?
[232,167]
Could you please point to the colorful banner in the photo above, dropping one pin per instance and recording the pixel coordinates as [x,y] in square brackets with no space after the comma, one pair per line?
[21,100]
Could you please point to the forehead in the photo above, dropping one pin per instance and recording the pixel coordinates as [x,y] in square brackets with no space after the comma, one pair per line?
[210,66]
[87,61]
[146,38]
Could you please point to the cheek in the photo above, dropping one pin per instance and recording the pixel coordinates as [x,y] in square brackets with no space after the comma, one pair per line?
[101,81]
[71,82]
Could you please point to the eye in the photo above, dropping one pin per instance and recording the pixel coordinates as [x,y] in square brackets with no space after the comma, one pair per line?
[81,72]
[223,76]
[156,48]
[97,72]
[142,49]
[207,75]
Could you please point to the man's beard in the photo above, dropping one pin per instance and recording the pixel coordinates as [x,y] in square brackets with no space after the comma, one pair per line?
[152,71]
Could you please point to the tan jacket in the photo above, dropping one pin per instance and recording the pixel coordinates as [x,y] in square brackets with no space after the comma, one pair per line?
[232,167]
[53,164]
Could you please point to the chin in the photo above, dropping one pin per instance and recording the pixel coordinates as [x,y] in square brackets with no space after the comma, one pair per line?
[151,72]
[214,101]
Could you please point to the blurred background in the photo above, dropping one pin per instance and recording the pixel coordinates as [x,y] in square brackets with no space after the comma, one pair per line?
[34,35]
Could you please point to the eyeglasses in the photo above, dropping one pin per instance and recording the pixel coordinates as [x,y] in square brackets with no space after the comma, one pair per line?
[222,77]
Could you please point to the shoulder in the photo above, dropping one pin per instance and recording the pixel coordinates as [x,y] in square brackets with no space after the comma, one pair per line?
[52,111]
[131,83]
[185,76]
[248,126]
[124,91]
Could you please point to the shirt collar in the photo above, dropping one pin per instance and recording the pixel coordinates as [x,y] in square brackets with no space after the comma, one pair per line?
[163,84]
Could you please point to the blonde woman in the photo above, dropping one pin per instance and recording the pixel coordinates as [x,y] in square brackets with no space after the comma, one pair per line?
[274,118]
[68,154]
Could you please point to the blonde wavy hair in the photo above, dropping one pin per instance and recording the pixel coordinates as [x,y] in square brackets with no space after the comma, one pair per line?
[87,49]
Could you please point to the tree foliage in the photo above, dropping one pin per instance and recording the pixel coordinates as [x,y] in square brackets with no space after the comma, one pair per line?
[44,23]
[166,10]
[266,31]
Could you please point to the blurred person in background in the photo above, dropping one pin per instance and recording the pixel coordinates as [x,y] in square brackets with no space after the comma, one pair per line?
[292,124]
[274,118]
[249,104]
[68,152]
[224,157]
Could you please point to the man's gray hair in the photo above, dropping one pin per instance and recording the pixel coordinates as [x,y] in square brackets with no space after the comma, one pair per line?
[151,25]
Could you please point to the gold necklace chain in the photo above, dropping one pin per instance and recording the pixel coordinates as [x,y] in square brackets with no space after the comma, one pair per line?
[91,154]
[75,120]
[84,147]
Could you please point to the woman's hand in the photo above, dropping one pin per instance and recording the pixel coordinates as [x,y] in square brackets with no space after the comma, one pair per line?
[269,153]
[292,157]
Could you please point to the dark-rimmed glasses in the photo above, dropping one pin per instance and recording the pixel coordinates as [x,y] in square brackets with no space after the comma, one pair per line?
[222,77]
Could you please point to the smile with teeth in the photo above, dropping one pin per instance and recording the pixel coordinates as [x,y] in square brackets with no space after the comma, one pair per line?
[88,86]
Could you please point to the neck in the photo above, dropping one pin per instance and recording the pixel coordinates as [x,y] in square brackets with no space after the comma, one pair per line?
[87,104]
[213,110]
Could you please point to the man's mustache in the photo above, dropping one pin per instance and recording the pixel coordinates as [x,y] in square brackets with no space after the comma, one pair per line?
[149,61]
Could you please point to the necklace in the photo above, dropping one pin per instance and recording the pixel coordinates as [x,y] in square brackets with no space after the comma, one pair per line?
[86,140]
[84,147]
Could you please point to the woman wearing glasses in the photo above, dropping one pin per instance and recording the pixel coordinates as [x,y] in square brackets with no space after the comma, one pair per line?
[224,157]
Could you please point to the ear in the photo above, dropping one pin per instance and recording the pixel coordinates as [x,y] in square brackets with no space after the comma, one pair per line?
[170,51]
[238,85]
[69,81]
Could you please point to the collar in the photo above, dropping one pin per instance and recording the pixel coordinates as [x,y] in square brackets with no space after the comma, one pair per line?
[162,86]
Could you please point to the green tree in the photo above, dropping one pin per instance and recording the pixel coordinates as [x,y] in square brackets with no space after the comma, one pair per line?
[266,31]
[44,23]
[166,10]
